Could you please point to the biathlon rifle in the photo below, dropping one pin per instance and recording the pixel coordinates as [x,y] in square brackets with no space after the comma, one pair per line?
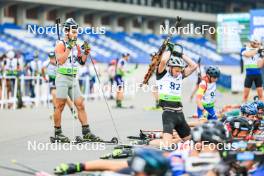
[156,58]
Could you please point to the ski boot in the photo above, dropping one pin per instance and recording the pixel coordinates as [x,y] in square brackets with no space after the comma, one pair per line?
[90,137]
[140,142]
[118,104]
[118,153]
[59,138]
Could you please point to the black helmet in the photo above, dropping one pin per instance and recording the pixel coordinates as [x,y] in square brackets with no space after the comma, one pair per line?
[241,123]
[213,71]
[51,54]
[210,132]
[70,23]
[221,127]
[150,161]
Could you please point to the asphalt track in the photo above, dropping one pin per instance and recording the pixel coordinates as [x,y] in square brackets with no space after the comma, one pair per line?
[19,127]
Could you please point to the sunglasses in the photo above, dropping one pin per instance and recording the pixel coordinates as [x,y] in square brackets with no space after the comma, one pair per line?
[255,43]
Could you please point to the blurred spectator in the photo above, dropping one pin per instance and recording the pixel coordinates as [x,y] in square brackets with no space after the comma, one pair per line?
[92,75]
[2,56]
[11,69]
[111,71]
[83,72]
[34,69]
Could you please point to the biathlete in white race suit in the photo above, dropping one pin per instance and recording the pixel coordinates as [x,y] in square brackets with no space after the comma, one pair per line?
[50,67]
[111,71]
[251,55]
[69,56]
[121,70]
[205,95]
[169,83]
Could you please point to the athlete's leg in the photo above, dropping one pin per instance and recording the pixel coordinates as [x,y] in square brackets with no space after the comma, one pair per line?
[60,104]
[119,93]
[166,141]
[258,83]
[8,88]
[199,112]
[260,93]
[247,86]
[62,88]
[181,126]
[53,94]
[79,103]
[201,118]
[168,126]
[104,165]
[78,100]
[211,113]
[245,94]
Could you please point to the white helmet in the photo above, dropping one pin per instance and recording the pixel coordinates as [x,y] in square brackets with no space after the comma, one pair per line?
[176,62]
[255,38]
[10,54]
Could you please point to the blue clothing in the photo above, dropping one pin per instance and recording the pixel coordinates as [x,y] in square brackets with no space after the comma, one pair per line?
[211,113]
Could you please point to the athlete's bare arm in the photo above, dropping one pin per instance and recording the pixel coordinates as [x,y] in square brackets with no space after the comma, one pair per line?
[192,66]
[251,53]
[103,165]
[43,73]
[164,59]
[84,58]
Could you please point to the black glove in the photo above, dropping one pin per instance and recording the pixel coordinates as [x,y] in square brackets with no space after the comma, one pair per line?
[71,168]
[86,47]
[71,43]
[177,54]
[261,52]
[79,59]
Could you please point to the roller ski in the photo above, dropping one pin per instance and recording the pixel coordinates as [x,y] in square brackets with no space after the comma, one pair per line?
[144,135]
[90,137]
[124,107]
[60,138]
[119,153]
